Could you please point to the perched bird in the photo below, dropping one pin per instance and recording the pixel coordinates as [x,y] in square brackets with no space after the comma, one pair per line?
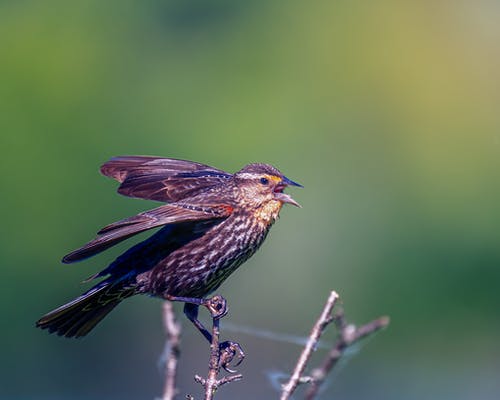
[213,222]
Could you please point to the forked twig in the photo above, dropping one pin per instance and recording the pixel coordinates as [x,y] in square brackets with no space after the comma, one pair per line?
[348,335]
[324,319]
[222,355]
[218,357]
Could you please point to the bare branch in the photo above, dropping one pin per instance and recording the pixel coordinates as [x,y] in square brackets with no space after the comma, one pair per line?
[348,335]
[219,355]
[324,319]
[210,383]
[222,354]
[172,349]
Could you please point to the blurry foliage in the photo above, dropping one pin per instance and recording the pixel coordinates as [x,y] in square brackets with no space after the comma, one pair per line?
[386,111]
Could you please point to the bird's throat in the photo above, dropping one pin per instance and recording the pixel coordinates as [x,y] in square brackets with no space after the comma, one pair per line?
[269,212]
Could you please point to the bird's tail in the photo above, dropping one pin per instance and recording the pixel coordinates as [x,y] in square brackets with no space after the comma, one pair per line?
[80,316]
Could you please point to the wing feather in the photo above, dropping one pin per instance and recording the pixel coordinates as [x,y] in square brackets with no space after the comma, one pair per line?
[168,214]
[162,179]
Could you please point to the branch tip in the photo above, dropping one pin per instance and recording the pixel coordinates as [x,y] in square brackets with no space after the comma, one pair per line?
[348,334]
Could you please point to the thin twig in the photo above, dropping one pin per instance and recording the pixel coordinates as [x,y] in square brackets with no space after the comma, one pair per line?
[211,383]
[213,364]
[173,331]
[320,325]
[348,335]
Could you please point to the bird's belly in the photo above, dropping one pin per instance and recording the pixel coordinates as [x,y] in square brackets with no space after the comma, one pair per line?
[199,267]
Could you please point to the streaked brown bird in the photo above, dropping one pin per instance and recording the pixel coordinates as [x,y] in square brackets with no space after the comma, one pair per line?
[213,222]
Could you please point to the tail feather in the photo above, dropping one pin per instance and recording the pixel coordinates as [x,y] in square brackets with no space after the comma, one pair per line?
[78,317]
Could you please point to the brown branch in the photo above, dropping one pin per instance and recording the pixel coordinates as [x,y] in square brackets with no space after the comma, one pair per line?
[210,383]
[348,335]
[324,319]
[173,331]
[218,357]
[221,355]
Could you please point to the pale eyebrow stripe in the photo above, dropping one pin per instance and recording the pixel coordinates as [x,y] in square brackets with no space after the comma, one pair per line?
[249,175]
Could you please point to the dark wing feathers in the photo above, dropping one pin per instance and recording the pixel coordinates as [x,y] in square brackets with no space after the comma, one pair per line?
[167,189]
[123,229]
[162,179]
[119,167]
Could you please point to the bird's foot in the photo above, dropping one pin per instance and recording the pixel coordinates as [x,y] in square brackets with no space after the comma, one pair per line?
[228,352]
[217,306]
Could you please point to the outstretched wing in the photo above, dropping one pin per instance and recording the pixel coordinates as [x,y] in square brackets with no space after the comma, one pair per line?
[162,179]
[125,228]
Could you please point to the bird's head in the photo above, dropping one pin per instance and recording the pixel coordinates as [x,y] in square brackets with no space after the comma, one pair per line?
[261,184]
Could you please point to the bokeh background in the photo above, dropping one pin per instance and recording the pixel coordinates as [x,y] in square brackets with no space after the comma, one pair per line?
[388,112]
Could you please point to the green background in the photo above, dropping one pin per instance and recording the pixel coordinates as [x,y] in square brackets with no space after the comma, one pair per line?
[388,112]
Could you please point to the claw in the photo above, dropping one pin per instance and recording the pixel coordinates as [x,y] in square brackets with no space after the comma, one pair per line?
[217,306]
[228,351]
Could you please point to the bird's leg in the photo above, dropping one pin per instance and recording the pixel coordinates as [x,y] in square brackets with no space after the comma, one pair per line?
[217,306]
[191,311]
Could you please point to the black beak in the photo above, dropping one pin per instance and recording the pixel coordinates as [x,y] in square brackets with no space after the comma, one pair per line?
[289,182]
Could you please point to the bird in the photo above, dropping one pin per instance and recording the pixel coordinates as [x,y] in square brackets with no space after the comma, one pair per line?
[211,222]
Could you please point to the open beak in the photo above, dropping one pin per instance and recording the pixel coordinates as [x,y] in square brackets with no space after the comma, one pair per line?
[284,197]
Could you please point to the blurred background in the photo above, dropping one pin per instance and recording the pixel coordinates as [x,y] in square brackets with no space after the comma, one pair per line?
[386,111]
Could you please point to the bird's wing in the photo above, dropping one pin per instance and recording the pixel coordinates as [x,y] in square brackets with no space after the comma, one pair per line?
[164,215]
[161,179]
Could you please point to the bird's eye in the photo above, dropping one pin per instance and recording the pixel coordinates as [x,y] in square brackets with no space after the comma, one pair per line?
[264,181]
